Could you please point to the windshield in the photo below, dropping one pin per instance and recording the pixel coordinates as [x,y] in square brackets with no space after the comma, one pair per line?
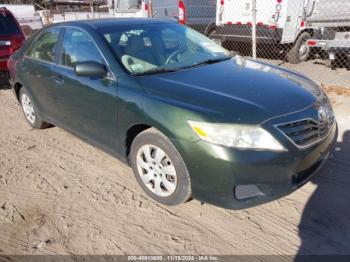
[8,26]
[161,47]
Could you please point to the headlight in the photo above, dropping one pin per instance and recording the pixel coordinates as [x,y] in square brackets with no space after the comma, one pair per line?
[235,135]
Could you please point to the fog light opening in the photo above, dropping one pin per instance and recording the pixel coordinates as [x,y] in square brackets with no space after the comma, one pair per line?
[243,192]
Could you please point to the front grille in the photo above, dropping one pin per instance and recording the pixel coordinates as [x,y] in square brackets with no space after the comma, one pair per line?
[306,132]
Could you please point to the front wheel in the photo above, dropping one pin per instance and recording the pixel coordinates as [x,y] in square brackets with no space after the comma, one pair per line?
[300,51]
[159,168]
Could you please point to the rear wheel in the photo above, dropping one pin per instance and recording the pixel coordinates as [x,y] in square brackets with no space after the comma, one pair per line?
[30,111]
[212,36]
[159,168]
[209,29]
[300,51]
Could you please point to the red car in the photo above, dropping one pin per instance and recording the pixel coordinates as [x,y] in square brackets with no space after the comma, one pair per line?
[11,37]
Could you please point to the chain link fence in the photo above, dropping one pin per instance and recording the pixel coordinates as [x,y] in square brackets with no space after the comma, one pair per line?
[309,36]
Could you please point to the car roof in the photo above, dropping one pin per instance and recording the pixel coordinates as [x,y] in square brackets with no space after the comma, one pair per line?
[110,22]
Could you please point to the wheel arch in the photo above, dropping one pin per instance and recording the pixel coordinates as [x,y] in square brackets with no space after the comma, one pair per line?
[17,87]
[305,30]
[132,132]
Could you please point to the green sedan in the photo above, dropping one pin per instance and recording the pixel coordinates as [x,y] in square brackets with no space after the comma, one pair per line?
[191,119]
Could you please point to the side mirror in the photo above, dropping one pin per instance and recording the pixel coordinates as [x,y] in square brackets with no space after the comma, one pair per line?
[90,69]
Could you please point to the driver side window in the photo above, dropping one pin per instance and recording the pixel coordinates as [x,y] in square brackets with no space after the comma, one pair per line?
[44,48]
[79,47]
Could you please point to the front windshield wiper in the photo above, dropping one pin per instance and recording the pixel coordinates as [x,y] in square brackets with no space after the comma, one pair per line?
[210,61]
[157,71]
[160,70]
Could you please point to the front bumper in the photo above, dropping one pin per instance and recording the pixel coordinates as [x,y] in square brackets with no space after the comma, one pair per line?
[216,171]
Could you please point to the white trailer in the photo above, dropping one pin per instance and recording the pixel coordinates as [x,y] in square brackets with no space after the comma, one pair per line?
[333,31]
[197,14]
[286,24]
[129,8]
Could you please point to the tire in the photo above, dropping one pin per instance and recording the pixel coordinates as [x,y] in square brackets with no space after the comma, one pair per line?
[30,111]
[166,180]
[210,28]
[211,33]
[296,54]
[220,42]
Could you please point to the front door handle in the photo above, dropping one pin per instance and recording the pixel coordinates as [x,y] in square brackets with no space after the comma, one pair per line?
[59,80]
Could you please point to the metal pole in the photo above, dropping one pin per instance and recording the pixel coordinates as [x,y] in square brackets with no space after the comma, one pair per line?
[92,10]
[150,9]
[254,11]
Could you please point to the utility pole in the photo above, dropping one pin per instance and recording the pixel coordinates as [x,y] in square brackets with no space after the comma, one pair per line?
[254,11]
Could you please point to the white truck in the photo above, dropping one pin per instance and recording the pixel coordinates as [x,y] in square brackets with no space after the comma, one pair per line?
[333,31]
[198,14]
[26,16]
[285,24]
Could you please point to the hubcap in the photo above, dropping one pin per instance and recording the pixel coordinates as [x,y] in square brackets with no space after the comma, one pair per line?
[156,170]
[304,51]
[28,108]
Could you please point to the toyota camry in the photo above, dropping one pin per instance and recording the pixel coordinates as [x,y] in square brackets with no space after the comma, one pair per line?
[189,117]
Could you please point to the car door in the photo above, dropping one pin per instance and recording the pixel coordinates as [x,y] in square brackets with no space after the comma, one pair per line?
[38,67]
[88,104]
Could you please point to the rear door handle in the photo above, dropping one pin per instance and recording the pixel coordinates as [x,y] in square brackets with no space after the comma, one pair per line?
[59,80]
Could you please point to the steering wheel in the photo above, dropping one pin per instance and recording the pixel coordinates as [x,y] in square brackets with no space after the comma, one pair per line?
[173,54]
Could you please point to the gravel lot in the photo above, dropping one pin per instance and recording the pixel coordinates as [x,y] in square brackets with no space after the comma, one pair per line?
[59,195]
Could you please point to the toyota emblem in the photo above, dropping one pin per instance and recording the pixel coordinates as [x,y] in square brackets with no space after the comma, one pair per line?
[323,114]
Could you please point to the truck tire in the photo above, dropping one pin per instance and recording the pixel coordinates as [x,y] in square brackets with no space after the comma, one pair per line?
[211,36]
[210,28]
[300,51]
[212,33]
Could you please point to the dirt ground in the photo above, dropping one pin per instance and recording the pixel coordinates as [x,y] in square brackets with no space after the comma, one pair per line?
[59,195]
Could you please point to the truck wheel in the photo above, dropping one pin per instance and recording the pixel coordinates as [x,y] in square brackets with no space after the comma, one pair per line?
[209,29]
[159,168]
[300,51]
[212,33]
[212,37]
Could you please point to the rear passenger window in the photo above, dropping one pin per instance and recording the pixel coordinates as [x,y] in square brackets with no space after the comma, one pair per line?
[8,25]
[44,48]
[79,47]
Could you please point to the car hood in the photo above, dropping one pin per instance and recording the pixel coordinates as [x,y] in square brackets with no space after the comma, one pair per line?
[237,90]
